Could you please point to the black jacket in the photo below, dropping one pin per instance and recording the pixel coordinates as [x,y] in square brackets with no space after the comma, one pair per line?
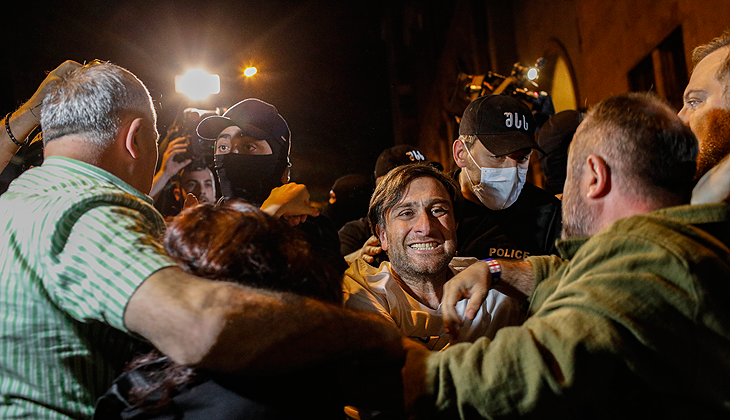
[530,226]
[217,397]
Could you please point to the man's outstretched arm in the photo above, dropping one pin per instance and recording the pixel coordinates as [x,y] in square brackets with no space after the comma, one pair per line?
[226,327]
[517,280]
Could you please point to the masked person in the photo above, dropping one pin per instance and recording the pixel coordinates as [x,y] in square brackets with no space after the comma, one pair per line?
[251,150]
[504,216]
[252,144]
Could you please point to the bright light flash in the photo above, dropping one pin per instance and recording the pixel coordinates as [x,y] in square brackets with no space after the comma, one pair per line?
[250,71]
[197,84]
[532,73]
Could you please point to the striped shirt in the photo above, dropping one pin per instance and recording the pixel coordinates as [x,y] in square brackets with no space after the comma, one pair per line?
[75,243]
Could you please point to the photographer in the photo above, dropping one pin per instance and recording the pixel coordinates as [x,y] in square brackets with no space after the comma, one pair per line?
[186,165]
[170,166]
[180,175]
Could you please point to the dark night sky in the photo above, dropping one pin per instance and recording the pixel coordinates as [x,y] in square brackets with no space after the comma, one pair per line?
[321,63]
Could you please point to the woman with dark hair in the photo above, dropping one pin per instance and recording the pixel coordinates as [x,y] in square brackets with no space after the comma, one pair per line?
[233,242]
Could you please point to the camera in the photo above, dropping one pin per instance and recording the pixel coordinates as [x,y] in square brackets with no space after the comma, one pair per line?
[200,150]
[521,84]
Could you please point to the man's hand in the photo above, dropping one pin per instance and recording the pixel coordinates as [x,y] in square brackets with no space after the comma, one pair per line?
[34,103]
[27,117]
[473,283]
[169,166]
[370,249]
[190,201]
[367,253]
[290,201]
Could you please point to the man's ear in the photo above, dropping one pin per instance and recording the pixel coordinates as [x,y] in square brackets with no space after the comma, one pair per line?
[598,176]
[130,133]
[382,238]
[459,153]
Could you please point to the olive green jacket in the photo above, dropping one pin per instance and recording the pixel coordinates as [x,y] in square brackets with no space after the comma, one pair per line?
[635,322]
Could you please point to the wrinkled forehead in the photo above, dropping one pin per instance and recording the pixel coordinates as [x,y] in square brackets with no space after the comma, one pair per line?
[424,189]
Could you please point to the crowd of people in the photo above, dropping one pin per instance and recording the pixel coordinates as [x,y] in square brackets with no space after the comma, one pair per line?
[465,294]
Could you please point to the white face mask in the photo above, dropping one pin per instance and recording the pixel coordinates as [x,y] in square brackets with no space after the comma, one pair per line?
[498,188]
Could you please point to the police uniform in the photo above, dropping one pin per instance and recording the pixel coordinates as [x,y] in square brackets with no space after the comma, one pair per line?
[530,226]
[514,218]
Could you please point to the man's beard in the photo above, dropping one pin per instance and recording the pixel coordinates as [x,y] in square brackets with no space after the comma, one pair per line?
[714,139]
[435,269]
[577,219]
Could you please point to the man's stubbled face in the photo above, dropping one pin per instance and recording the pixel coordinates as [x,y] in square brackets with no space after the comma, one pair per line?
[713,135]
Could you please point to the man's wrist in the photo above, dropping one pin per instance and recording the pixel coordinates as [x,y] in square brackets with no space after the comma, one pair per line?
[21,123]
[495,269]
[31,113]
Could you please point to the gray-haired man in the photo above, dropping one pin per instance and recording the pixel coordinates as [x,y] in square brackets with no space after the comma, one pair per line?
[83,275]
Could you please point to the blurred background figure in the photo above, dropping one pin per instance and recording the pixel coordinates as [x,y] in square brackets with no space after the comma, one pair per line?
[349,198]
[395,156]
[185,164]
[554,139]
[198,181]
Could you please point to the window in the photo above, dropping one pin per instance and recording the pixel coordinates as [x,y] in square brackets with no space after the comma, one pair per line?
[663,71]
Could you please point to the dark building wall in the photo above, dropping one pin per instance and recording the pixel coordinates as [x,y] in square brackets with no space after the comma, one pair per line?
[606,40]
[602,41]
[430,44]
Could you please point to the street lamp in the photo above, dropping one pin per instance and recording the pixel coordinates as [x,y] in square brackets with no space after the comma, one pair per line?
[250,71]
[197,84]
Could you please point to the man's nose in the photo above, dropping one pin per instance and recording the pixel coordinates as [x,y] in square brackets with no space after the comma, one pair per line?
[424,222]
[682,114]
